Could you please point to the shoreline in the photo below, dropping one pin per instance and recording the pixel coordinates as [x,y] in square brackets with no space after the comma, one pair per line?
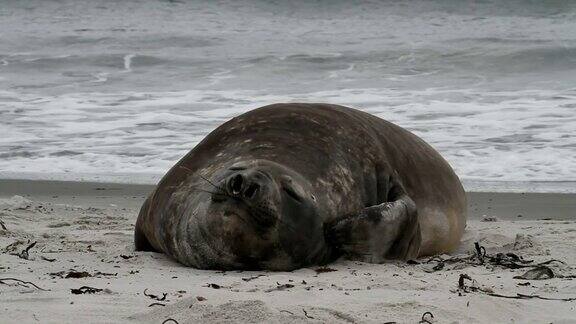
[504,205]
[143,178]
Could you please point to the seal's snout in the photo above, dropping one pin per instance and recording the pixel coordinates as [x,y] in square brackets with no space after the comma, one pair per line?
[235,184]
[243,185]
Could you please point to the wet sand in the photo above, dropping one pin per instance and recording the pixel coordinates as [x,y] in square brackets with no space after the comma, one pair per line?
[511,206]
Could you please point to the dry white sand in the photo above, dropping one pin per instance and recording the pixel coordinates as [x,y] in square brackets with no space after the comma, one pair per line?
[95,237]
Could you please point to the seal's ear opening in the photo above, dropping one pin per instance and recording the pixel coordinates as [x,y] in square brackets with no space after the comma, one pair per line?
[291,188]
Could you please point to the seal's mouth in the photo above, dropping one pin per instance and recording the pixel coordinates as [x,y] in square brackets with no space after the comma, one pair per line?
[260,216]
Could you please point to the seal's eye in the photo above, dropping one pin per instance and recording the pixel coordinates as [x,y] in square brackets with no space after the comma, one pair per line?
[292,194]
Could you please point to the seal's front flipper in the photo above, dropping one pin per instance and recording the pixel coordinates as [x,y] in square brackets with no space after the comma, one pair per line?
[386,231]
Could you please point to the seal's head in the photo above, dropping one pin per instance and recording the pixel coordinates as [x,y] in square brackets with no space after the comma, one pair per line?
[258,215]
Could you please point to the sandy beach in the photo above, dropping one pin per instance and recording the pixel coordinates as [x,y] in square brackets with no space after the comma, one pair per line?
[83,234]
[100,98]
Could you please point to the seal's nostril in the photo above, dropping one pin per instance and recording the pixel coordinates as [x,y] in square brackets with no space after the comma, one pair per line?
[251,191]
[236,184]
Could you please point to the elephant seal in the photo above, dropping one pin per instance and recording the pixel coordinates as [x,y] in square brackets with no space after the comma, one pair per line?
[292,185]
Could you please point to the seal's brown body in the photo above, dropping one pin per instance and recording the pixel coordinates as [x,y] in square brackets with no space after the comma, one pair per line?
[340,163]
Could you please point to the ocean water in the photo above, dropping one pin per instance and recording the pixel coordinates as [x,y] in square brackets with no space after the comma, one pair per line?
[120,90]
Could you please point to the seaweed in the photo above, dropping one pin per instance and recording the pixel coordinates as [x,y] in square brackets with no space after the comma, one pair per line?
[306,314]
[85,290]
[504,260]
[280,287]
[24,253]
[21,283]
[252,278]
[170,320]
[324,269]
[425,319]
[155,297]
[462,287]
